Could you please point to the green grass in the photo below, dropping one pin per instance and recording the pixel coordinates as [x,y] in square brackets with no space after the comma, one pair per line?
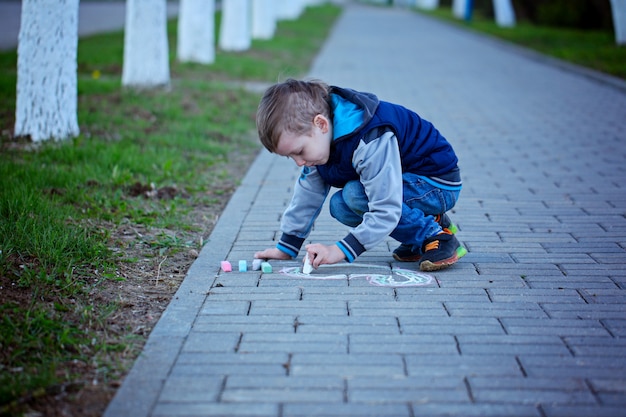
[58,201]
[595,49]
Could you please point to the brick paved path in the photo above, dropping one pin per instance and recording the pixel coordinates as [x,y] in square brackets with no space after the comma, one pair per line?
[532,322]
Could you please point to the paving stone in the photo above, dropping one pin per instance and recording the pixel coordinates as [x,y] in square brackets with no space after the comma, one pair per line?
[286,382]
[283,396]
[213,409]
[471,410]
[346,410]
[583,411]
[186,389]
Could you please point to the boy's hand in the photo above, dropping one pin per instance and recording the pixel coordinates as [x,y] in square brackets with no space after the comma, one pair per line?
[272,253]
[324,255]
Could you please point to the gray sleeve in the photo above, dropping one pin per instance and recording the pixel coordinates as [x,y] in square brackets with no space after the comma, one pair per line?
[379,166]
[310,192]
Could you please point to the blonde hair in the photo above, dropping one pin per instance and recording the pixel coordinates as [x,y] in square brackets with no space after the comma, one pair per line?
[290,106]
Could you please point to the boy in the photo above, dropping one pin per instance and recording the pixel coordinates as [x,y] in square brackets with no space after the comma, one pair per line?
[396,173]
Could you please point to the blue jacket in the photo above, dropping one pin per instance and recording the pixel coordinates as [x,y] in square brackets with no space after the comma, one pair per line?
[374,142]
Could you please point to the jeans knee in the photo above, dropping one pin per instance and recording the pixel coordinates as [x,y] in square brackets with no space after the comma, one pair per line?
[354,196]
[336,204]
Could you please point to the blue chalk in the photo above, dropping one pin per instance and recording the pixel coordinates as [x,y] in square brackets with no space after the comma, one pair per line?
[243,266]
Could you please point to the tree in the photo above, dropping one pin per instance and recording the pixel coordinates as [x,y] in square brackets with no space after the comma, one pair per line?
[196,36]
[46,102]
[428,4]
[289,9]
[618,9]
[235,31]
[146,51]
[505,15]
[461,9]
[263,19]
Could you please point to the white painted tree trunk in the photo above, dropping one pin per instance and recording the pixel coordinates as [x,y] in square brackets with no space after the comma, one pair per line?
[618,9]
[263,19]
[505,15]
[146,51]
[428,4]
[196,31]
[47,95]
[235,29]
[289,9]
[459,8]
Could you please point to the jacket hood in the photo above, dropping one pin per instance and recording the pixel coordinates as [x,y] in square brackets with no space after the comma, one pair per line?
[351,110]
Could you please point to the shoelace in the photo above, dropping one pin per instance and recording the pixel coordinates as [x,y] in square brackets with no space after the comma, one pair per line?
[432,245]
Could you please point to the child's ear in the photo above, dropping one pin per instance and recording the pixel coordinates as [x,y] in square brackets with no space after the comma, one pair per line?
[320,121]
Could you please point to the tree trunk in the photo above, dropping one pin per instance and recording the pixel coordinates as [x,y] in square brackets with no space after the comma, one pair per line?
[196,36]
[46,102]
[289,9]
[263,19]
[428,4]
[505,15]
[618,8]
[459,8]
[146,51]
[235,30]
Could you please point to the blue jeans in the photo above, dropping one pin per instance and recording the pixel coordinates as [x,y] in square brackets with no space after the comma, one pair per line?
[421,201]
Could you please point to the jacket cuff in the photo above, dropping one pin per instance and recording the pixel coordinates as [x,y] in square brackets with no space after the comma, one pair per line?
[350,247]
[290,244]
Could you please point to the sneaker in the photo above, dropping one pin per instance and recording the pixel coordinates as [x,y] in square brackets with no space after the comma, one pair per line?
[441,251]
[405,253]
[446,224]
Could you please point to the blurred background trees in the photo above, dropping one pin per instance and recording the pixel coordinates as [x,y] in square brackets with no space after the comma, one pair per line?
[580,14]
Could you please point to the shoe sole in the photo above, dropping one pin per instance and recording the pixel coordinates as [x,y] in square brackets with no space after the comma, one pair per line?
[428,266]
[410,259]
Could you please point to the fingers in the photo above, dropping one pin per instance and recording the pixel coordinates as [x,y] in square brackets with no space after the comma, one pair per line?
[260,255]
[271,253]
[317,254]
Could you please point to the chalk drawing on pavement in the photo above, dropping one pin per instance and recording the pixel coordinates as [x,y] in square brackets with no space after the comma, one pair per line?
[398,278]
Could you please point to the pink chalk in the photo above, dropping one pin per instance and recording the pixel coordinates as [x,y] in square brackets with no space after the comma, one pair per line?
[226,266]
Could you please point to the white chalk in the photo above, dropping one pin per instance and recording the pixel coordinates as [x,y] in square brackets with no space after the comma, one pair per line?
[256,264]
[307,268]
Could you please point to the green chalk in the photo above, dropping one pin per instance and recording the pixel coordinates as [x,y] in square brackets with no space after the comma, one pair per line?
[266,267]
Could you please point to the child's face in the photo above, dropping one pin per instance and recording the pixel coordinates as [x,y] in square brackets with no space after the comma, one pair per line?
[310,150]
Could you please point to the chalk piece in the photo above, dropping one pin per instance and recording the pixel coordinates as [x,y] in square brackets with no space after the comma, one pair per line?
[256,264]
[307,268]
[226,266]
[243,266]
[266,267]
